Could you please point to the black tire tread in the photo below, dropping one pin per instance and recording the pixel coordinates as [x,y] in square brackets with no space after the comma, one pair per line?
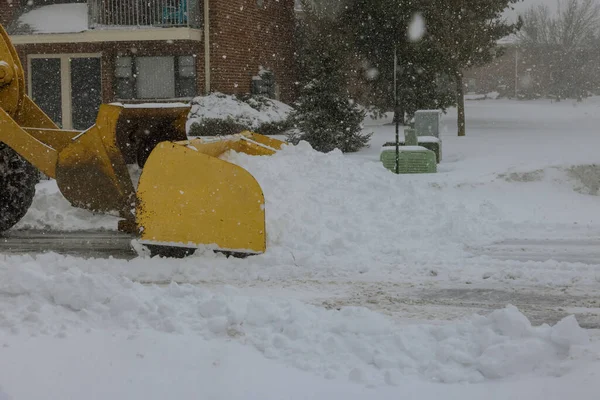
[17,187]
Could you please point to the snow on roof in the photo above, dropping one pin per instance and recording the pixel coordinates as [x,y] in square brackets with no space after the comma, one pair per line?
[408,149]
[150,105]
[57,18]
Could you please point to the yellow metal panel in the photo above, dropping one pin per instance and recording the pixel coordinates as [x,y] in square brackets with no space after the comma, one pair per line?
[213,147]
[188,198]
[40,155]
[12,91]
[31,116]
[264,142]
[58,139]
[245,142]
[91,172]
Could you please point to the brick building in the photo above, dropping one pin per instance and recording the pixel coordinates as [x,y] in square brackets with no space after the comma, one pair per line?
[77,54]
[514,73]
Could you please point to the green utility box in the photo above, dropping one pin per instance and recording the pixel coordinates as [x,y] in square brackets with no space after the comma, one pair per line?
[427,122]
[410,137]
[413,159]
[429,142]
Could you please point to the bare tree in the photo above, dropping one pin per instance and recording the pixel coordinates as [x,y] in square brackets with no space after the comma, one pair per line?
[565,42]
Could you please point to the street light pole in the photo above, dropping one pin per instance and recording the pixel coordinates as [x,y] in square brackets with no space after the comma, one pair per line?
[396,109]
[516,72]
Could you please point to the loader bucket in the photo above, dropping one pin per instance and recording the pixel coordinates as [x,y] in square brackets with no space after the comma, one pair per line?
[187,197]
[92,169]
[141,127]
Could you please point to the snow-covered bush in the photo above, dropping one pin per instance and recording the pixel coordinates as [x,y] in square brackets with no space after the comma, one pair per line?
[221,114]
[328,120]
[216,127]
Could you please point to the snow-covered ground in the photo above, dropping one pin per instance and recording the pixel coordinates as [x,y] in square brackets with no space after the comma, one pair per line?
[343,304]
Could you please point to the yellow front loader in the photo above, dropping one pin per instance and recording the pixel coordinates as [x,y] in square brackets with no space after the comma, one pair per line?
[186,197]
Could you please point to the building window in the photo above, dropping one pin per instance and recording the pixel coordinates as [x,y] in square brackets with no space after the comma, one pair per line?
[67,87]
[186,75]
[124,78]
[264,83]
[163,77]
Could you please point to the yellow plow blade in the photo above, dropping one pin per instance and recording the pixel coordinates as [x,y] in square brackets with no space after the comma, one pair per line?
[187,197]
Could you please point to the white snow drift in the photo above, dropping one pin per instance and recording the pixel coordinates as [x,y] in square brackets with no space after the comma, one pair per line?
[352,343]
[123,329]
[50,210]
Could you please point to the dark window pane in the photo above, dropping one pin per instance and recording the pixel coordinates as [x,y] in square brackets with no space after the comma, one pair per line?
[86,87]
[187,66]
[186,76]
[123,67]
[46,87]
[124,88]
[186,87]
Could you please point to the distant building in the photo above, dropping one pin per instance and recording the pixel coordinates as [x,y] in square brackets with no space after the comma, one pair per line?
[508,74]
[78,54]
[530,72]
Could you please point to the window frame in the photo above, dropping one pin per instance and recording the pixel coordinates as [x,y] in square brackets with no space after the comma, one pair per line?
[179,86]
[65,77]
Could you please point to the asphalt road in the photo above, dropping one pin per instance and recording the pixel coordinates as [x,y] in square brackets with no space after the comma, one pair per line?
[585,251]
[88,244]
[104,244]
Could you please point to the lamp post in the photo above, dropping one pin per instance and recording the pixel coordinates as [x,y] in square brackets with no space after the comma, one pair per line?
[516,73]
[396,109]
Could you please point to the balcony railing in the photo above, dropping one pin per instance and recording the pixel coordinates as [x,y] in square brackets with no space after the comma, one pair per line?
[144,13]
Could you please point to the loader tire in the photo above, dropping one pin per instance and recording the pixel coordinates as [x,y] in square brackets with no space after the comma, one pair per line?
[17,187]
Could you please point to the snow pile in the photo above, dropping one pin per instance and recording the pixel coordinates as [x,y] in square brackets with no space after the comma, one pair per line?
[583,179]
[326,214]
[51,211]
[329,214]
[342,231]
[353,343]
[328,209]
[365,347]
[252,112]
[341,216]
[56,18]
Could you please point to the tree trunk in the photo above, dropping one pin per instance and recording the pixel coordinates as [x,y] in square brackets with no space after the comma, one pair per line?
[399,113]
[460,99]
[403,115]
